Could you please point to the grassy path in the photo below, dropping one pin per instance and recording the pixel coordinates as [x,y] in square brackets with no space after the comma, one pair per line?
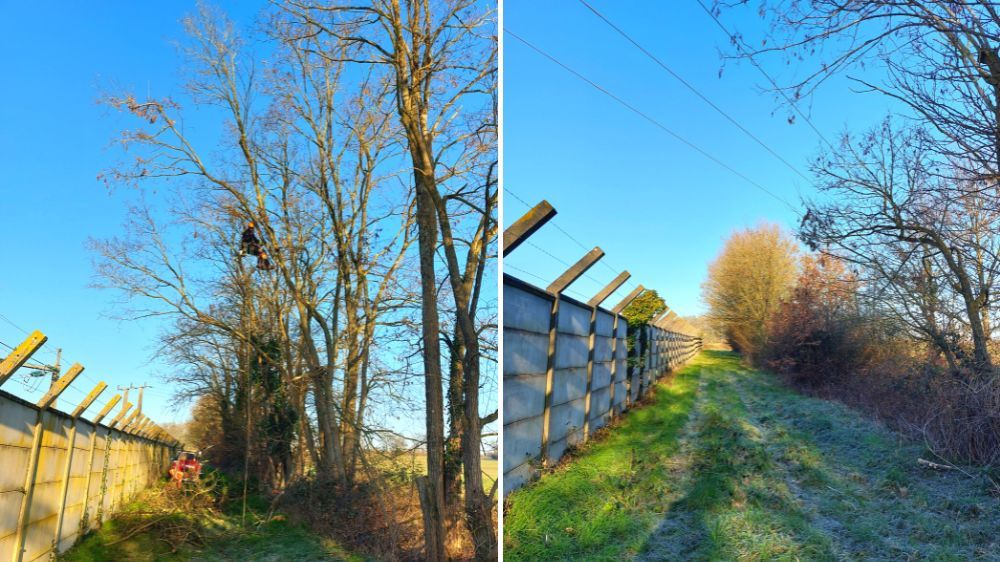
[730,465]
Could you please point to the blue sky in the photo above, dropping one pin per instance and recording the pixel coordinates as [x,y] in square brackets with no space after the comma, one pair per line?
[656,207]
[54,141]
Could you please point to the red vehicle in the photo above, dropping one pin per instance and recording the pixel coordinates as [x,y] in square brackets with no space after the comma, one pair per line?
[185,468]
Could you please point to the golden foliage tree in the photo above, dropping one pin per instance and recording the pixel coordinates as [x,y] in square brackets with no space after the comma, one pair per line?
[753,274]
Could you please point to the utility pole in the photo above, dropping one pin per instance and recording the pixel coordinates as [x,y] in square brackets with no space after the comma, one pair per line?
[140,388]
[125,390]
[56,372]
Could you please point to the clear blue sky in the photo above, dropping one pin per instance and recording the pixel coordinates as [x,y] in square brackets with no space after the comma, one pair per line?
[656,207]
[54,141]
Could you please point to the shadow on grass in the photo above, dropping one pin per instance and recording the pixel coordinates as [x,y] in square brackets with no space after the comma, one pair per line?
[734,507]
[863,483]
[774,475]
[601,502]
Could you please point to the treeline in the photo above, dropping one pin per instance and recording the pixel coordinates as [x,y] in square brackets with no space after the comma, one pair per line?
[325,259]
[812,318]
[905,225]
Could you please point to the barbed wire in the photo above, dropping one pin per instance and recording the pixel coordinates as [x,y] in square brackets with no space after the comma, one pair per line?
[603,261]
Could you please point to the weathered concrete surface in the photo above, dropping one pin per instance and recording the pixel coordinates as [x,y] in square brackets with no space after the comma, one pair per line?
[526,324]
[133,463]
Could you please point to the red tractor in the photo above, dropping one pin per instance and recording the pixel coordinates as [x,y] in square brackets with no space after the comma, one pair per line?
[185,468]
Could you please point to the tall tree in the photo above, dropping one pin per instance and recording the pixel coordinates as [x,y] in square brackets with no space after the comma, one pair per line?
[311,159]
[746,283]
[440,57]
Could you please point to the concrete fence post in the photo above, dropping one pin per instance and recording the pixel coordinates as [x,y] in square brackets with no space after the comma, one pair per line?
[630,365]
[21,354]
[527,225]
[24,516]
[614,366]
[555,289]
[550,367]
[70,451]
[590,372]
[653,360]
[643,360]
[640,362]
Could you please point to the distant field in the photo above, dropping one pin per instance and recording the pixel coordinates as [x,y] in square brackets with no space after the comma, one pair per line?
[418,463]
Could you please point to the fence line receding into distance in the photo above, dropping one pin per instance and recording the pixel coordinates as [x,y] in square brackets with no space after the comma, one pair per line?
[61,474]
[567,370]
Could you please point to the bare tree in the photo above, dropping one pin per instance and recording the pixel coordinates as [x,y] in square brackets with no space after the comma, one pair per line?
[937,58]
[439,58]
[313,162]
[929,247]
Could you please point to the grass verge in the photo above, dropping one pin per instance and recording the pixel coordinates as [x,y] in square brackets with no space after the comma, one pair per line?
[604,500]
[732,465]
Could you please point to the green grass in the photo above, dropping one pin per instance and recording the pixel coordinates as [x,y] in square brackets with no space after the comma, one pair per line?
[277,540]
[417,463]
[602,503]
[734,466]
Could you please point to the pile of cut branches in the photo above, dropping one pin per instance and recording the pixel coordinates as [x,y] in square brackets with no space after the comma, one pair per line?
[178,517]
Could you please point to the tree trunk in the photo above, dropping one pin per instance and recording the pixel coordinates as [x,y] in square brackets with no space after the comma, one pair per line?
[433,500]
[456,418]
[348,422]
[981,353]
[331,461]
[478,507]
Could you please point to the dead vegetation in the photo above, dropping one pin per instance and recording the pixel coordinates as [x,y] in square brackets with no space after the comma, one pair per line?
[379,517]
[178,518]
[202,521]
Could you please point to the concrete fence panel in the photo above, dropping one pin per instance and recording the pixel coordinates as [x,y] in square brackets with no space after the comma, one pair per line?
[567,373]
[82,472]
[62,474]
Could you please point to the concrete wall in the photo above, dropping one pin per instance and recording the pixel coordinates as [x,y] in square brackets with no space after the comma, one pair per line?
[106,468]
[525,358]
[569,360]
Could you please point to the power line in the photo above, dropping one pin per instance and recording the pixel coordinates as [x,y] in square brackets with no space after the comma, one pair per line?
[647,117]
[100,403]
[43,349]
[737,42]
[695,91]
[543,280]
[11,322]
[562,261]
[524,271]
[629,282]
[25,332]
